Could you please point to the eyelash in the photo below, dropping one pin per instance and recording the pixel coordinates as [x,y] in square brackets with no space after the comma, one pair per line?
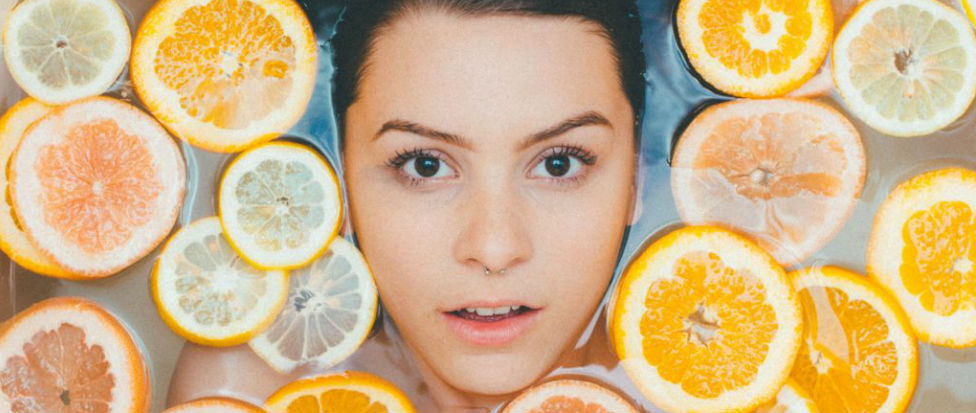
[402,157]
[575,151]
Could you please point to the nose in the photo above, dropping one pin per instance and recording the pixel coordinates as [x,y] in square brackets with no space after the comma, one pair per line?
[494,235]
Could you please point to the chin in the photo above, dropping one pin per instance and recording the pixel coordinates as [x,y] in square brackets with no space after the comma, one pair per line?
[496,374]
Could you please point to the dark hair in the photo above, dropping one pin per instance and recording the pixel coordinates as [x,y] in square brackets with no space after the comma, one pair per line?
[362,20]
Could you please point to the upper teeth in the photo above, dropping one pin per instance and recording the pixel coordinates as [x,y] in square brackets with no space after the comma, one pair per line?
[485,311]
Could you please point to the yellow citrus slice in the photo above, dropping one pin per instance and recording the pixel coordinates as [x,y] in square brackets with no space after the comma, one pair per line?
[68,354]
[923,250]
[785,172]
[350,392]
[790,399]
[215,405]
[280,204]
[96,185]
[705,320]
[207,294]
[13,241]
[225,74]
[968,6]
[755,48]
[858,352]
[569,396]
[906,67]
[330,311]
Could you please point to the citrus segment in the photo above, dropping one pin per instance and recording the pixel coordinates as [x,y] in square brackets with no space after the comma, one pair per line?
[280,204]
[215,405]
[207,294]
[63,50]
[905,67]
[329,312]
[96,185]
[755,48]
[225,74]
[922,249]
[790,399]
[858,352]
[704,320]
[351,392]
[69,355]
[786,173]
[569,396]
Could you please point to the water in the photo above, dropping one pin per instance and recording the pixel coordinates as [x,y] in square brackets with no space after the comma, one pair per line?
[674,96]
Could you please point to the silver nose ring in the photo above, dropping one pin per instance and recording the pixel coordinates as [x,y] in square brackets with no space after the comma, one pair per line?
[490,272]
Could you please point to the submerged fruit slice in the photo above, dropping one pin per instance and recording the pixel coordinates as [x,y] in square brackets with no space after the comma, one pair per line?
[858,352]
[923,250]
[70,355]
[351,392]
[786,173]
[330,311]
[569,396]
[207,294]
[906,67]
[280,205]
[63,50]
[225,74]
[755,48]
[96,185]
[215,405]
[790,399]
[704,320]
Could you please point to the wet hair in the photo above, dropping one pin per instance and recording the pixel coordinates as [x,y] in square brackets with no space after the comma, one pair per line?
[363,20]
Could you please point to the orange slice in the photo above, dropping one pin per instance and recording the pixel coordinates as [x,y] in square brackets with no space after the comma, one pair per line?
[569,396]
[858,352]
[225,74]
[13,241]
[705,320]
[923,250]
[790,399]
[786,173]
[69,355]
[755,48]
[350,392]
[215,405]
[96,185]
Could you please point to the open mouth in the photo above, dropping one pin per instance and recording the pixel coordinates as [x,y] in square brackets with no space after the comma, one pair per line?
[493,314]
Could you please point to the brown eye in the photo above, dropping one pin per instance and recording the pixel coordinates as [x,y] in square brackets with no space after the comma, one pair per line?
[557,165]
[427,166]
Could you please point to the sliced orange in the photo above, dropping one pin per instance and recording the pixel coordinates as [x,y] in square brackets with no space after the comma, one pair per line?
[786,173]
[755,48]
[69,354]
[858,352]
[349,392]
[790,399]
[569,396]
[13,241]
[706,321]
[215,405]
[923,250]
[225,74]
[96,185]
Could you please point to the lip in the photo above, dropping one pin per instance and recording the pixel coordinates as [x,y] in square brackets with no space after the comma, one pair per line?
[491,333]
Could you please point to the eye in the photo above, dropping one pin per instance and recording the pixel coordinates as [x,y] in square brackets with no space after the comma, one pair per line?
[562,163]
[419,165]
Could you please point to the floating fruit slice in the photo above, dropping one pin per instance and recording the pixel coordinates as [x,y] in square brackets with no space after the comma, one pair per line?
[969,6]
[63,50]
[786,173]
[906,67]
[790,399]
[207,294]
[858,352]
[755,48]
[704,320]
[330,311]
[215,405]
[13,241]
[225,74]
[822,82]
[280,205]
[923,249]
[569,396]
[96,185]
[69,354]
[351,392]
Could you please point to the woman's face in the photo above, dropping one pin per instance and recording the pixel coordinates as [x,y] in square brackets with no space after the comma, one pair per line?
[503,142]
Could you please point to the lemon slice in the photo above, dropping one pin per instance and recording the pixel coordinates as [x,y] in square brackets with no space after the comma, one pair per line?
[63,50]
[280,205]
[906,67]
[350,392]
[207,294]
[330,311]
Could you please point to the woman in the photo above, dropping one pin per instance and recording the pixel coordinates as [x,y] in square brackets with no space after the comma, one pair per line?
[489,153]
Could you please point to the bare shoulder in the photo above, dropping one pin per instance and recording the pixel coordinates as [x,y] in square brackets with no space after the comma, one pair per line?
[232,372]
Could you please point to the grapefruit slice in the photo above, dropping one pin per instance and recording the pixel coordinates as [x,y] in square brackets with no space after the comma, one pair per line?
[569,396]
[97,184]
[350,392]
[786,173]
[68,354]
[706,321]
[215,405]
